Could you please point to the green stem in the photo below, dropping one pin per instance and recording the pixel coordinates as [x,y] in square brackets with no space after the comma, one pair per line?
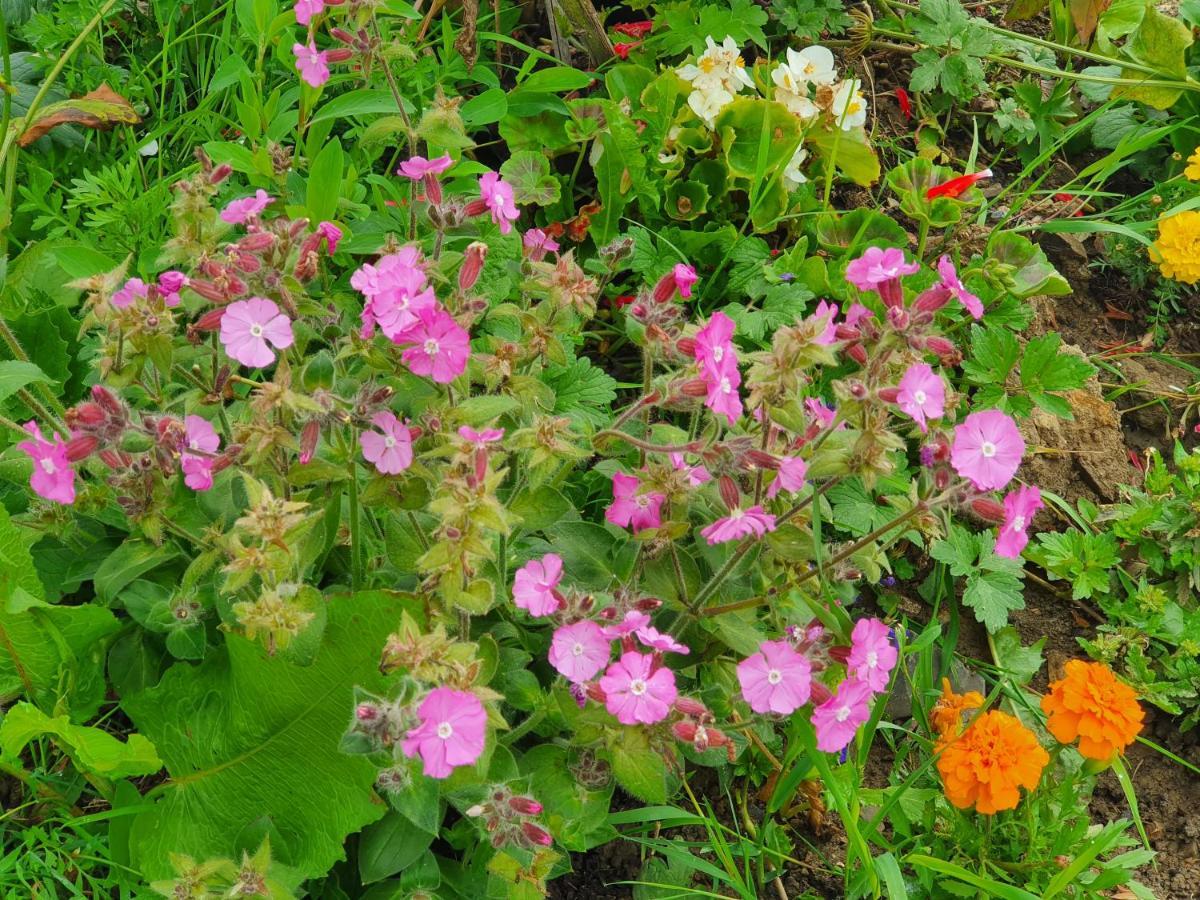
[355,526]
[531,722]
[644,445]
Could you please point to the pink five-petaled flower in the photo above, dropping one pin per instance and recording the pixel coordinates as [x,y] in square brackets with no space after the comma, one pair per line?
[133,289]
[198,435]
[636,691]
[657,640]
[630,509]
[53,477]
[452,732]
[306,9]
[332,234]
[828,311]
[497,196]
[396,288]
[634,620]
[951,283]
[536,583]
[312,64]
[681,278]
[440,346]
[723,397]
[239,211]
[1019,508]
[856,313]
[922,394]
[789,477]
[776,679]
[389,448]
[987,449]
[170,283]
[714,346]
[579,651]
[417,167]
[880,270]
[823,415]
[738,524]
[696,475]
[537,244]
[480,439]
[838,718]
[872,654]
[249,326]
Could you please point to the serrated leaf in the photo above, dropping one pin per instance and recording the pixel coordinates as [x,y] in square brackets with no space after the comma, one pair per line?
[529,173]
[993,595]
[994,352]
[638,769]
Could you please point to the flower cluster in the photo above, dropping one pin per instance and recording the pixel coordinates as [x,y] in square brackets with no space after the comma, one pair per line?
[778,679]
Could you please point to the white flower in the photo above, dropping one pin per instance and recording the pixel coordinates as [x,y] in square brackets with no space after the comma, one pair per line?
[792,176]
[707,103]
[811,66]
[849,107]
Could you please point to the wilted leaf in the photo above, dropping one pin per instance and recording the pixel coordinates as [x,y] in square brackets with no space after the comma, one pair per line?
[1085,14]
[102,108]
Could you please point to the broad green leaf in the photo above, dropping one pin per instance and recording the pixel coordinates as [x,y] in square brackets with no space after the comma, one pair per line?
[528,172]
[1029,270]
[15,375]
[539,507]
[557,80]
[389,846]
[638,768]
[362,102]
[993,595]
[587,550]
[127,562]
[484,109]
[246,736]
[850,152]
[857,229]
[93,750]
[1021,663]
[1160,42]
[325,182]
[758,137]
[614,182]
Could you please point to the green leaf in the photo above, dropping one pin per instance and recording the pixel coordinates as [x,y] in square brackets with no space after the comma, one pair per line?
[958,550]
[1043,368]
[758,138]
[539,507]
[587,550]
[849,151]
[614,183]
[994,352]
[581,388]
[529,173]
[1160,42]
[92,750]
[261,740]
[362,102]
[993,595]
[639,769]
[1021,663]
[325,182]
[389,846]
[127,562]
[15,375]
[1028,269]
[557,80]
[486,108]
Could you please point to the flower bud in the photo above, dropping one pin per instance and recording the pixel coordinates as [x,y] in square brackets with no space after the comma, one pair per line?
[595,692]
[729,492]
[696,387]
[689,706]
[685,731]
[847,333]
[819,693]
[210,321]
[81,447]
[535,834]
[367,712]
[220,173]
[899,318]
[472,265]
[258,242]
[475,208]
[857,389]
[686,346]
[941,479]
[945,350]
[839,654]
[338,54]
[115,459]
[892,293]
[107,400]
[988,509]
[86,415]
[310,435]
[172,282]
[648,604]
[526,806]
[207,290]
[932,300]
[858,353]
[474,812]
[341,34]
[760,459]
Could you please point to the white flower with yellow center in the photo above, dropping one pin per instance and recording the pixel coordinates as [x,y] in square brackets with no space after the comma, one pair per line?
[792,176]
[707,103]
[717,75]
[849,107]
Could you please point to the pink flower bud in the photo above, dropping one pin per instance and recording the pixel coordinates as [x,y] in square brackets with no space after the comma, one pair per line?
[472,265]
[945,350]
[526,806]
[847,333]
[888,394]
[207,290]
[535,834]
[108,400]
[81,447]
[685,731]
[686,346]
[819,693]
[689,706]
[648,604]
[839,654]
[475,208]
[115,459]
[595,692]
[257,242]
[338,54]
[932,300]
[341,34]
[86,415]
[858,353]
[899,318]
[696,387]
[367,712]
[220,173]
[310,435]
[210,321]
[172,282]
[988,509]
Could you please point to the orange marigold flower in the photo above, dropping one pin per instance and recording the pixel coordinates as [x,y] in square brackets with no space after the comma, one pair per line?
[987,763]
[1177,250]
[947,714]
[1090,704]
[1192,172]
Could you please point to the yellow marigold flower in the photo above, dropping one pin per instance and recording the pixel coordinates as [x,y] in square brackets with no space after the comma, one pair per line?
[947,714]
[1089,703]
[1192,172]
[1177,250]
[987,764]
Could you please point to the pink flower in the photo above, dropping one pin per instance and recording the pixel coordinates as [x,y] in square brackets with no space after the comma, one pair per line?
[197,470]
[306,9]
[714,346]
[987,449]
[880,271]
[776,679]
[389,448]
[452,732]
[829,311]
[440,346]
[790,476]
[824,415]
[635,691]
[417,167]
[857,313]
[634,620]
[537,244]
[247,328]
[651,637]
[630,509]
[239,211]
[497,196]
[1019,508]
[951,283]
[872,654]
[696,475]
[481,438]
[535,587]
[133,289]
[837,719]
[723,397]
[922,394]
[170,283]
[680,278]
[739,524]
[579,651]
[52,478]
[332,234]
[312,64]
[397,289]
